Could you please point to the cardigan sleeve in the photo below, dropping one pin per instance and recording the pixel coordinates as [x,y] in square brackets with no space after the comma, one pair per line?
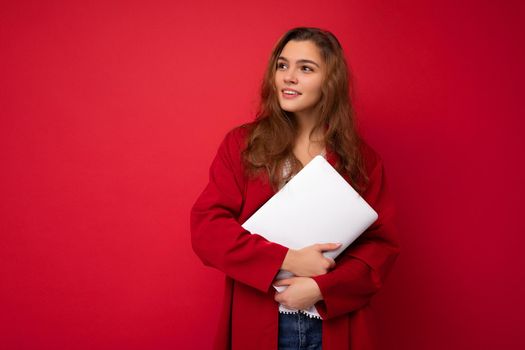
[362,268]
[217,237]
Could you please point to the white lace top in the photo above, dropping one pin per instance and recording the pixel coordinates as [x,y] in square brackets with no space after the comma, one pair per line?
[311,312]
[288,167]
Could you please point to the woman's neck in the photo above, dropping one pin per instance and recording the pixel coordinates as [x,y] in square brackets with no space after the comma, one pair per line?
[304,129]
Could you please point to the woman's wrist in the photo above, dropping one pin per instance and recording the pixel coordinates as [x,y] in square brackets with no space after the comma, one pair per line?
[288,261]
[319,294]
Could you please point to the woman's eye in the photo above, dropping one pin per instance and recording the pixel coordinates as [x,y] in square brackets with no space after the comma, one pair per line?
[305,68]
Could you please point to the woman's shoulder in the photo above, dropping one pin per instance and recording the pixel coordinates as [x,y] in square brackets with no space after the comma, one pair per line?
[240,131]
[237,135]
[234,142]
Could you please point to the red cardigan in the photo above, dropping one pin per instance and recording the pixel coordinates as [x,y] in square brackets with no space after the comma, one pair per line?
[249,317]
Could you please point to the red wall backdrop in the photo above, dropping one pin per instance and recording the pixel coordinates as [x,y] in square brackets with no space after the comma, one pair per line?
[111,113]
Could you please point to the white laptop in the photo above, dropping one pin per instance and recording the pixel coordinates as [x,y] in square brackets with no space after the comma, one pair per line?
[316,206]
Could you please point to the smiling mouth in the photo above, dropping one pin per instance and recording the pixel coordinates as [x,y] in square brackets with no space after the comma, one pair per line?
[290,93]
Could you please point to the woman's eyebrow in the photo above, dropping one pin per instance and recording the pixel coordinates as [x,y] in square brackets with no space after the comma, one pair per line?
[298,61]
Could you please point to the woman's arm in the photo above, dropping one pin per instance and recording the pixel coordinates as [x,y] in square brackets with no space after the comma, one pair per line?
[216,236]
[363,267]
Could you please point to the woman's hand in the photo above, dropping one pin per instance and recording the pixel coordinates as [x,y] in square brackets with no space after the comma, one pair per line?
[309,261]
[301,293]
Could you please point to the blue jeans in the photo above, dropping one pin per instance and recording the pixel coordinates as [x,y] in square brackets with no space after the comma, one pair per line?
[298,332]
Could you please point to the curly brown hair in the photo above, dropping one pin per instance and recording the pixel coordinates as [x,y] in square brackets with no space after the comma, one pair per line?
[272,134]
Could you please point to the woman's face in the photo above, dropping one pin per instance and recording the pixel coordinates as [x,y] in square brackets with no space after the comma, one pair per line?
[300,68]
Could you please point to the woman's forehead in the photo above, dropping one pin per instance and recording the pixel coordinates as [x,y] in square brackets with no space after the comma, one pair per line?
[301,50]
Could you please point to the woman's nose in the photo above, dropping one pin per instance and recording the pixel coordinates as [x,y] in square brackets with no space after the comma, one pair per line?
[290,77]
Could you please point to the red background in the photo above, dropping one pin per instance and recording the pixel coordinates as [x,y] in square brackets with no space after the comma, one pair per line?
[111,113]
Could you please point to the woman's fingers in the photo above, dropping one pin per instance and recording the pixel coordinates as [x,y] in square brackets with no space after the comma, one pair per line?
[328,246]
[332,262]
[283,282]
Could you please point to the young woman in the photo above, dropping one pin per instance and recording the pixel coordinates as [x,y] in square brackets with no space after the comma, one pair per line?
[305,110]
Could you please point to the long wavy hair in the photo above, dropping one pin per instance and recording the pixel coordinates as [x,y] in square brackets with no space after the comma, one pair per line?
[272,134]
